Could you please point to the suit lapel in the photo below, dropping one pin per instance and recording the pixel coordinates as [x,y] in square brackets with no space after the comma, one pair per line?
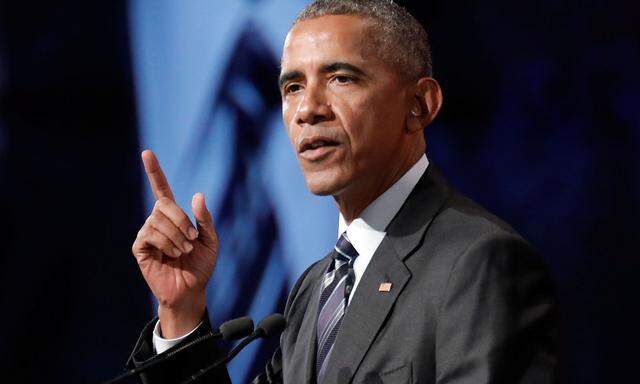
[303,367]
[367,312]
[407,229]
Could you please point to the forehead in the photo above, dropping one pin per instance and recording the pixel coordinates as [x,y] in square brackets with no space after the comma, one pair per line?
[327,38]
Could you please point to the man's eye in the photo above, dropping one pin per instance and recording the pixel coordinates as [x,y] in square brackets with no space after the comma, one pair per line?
[291,88]
[341,79]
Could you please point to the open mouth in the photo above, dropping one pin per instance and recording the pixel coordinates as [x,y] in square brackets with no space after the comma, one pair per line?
[316,147]
[315,144]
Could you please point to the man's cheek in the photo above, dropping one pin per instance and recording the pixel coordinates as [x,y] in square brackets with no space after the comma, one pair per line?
[287,115]
[292,131]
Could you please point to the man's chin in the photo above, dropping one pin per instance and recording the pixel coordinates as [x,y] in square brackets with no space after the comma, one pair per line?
[322,186]
[320,190]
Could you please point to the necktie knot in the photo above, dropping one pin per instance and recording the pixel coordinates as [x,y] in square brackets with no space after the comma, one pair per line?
[344,249]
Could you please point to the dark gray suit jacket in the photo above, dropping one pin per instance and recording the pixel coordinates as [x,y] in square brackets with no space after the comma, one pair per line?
[470,302]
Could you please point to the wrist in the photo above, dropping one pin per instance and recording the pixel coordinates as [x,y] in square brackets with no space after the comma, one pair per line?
[177,321]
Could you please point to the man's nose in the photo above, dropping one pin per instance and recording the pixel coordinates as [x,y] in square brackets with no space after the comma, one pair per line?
[314,107]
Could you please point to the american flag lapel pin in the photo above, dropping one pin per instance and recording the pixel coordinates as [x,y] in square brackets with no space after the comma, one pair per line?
[384,287]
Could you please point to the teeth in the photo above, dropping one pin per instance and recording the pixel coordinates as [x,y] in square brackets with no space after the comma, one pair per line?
[317,144]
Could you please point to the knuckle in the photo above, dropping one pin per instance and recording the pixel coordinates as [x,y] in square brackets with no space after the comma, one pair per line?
[165,244]
[168,248]
[177,235]
[153,218]
[184,223]
[141,233]
[140,241]
[163,202]
[145,237]
[157,243]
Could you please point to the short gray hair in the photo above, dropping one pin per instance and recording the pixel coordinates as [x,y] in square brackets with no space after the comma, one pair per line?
[401,39]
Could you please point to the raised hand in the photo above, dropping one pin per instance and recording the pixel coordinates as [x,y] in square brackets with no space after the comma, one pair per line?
[175,258]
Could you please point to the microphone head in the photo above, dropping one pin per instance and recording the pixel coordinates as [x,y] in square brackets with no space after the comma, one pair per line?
[236,328]
[271,325]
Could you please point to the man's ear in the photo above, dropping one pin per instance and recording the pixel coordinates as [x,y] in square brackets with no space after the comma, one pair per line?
[425,104]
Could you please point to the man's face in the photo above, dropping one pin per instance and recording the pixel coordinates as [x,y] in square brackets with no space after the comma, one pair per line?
[344,108]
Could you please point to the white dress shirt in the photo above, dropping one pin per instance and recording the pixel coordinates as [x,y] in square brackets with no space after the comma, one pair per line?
[365,232]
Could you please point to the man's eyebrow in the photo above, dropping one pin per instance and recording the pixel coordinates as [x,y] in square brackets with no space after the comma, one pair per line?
[342,66]
[328,68]
[289,75]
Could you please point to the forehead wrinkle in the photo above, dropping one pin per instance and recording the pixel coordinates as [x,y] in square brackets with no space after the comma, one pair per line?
[313,34]
[323,61]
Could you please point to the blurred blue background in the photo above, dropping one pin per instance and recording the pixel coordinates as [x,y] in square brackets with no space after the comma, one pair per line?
[541,124]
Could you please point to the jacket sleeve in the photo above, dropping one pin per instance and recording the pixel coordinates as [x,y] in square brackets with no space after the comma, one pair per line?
[183,365]
[497,319]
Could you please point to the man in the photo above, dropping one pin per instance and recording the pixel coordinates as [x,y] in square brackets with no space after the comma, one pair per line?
[423,285]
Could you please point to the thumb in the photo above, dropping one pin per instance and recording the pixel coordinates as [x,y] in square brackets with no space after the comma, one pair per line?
[204,221]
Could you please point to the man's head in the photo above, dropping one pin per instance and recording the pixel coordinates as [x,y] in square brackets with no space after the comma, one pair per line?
[356,94]
[400,40]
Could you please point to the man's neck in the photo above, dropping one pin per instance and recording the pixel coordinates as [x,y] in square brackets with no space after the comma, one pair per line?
[356,199]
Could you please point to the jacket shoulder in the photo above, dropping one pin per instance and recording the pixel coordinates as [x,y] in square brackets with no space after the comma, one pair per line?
[465,233]
[464,222]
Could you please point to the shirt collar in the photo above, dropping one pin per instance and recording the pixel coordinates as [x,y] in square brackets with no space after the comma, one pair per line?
[373,221]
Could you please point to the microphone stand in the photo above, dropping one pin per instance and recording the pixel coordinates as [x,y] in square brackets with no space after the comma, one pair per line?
[161,358]
[225,359]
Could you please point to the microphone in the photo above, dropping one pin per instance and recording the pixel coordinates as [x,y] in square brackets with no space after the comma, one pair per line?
[229,330]
[271,325]
[236,328]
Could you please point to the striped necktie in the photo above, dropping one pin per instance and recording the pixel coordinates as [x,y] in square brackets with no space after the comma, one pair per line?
[336,288]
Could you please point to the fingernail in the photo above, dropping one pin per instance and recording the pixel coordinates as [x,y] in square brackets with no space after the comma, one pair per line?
[187,246]
[192,233]
[176,252]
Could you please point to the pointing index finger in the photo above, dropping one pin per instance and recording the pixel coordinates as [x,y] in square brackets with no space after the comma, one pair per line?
[159,184]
